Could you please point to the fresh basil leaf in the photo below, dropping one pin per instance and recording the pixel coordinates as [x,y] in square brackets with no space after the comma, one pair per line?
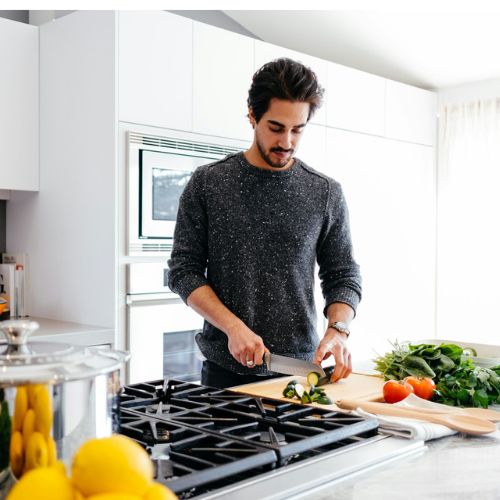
[480,398]
[418,364]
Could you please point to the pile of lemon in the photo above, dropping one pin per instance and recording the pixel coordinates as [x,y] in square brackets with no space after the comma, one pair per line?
[31,444]
[114,468]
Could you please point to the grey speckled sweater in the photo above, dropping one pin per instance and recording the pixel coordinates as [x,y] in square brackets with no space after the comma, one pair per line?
[254,235]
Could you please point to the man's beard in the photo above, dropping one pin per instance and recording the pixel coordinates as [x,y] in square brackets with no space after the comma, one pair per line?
[269,161]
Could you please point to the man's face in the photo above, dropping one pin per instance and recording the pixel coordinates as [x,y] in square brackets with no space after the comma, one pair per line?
[278,132]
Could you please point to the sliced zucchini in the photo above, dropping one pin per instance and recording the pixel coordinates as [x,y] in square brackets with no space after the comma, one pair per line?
[324,400]
[315,396]
[328,373]
[289,390]
[313,378]
[306,398]
[299,390]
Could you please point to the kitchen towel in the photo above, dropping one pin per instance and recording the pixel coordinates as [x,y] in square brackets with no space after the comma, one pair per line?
[408,427]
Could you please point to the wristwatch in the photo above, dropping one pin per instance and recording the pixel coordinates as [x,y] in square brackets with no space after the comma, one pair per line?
[340,327]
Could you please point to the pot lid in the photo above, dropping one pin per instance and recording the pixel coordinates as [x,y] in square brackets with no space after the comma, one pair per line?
[24,362]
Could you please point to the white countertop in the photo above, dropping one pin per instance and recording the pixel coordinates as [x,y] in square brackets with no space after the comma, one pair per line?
[72,333]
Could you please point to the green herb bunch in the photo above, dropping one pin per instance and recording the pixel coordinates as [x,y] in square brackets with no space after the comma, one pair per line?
[458,381]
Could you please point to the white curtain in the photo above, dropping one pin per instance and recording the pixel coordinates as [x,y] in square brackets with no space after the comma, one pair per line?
[468,248]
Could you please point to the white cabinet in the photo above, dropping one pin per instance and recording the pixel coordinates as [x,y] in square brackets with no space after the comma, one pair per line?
[390,190]
[312,147]
[222,74]
[266,52]
[19,106]
[410,113]
[355,100]
[155,72]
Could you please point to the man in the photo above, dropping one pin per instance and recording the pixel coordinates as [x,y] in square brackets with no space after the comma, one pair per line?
[249,230]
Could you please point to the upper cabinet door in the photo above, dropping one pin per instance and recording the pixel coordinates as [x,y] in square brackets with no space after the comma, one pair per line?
[265,52]
[411,113]
[19,106]
[223,69]
[355,101]
[155,69]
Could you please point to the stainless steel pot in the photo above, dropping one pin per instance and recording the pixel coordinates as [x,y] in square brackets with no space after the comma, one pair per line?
[53,397]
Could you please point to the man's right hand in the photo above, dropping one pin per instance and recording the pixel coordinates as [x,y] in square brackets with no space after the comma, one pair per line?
[246,347]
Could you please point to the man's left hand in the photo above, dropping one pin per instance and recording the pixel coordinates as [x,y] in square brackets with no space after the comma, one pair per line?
[335,343]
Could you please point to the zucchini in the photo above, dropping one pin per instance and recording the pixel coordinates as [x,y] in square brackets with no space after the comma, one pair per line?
[299,390]
[328,374]
[324,400]
[306,398]
[290,393]
[315,396]
[313,378]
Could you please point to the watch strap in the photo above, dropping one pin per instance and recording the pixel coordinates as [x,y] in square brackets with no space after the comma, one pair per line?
[340,327]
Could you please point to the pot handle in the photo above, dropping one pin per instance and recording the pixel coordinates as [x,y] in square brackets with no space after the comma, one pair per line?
[123,356]
[17,331]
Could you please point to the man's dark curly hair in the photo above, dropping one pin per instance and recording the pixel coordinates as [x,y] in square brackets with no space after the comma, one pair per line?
[287,80]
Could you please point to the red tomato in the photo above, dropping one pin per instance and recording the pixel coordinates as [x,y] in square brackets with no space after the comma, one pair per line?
[396,390]
[422,387]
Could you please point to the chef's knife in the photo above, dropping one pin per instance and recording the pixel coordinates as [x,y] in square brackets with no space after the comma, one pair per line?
[291,366]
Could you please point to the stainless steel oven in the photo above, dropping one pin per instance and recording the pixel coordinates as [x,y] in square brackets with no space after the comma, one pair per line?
[159,168]
[160,328]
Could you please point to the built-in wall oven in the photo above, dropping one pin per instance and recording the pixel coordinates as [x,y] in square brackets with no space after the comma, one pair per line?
[159,168]
[161,328]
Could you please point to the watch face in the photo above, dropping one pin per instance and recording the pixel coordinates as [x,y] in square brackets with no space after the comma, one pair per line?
[341,326]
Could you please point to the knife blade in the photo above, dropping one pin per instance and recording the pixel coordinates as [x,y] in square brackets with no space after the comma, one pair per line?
[291,366]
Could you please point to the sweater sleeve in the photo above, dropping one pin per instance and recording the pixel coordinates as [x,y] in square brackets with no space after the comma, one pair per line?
[188,260]
[338,272]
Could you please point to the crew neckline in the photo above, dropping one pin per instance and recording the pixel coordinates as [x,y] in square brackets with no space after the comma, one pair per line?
[265,172]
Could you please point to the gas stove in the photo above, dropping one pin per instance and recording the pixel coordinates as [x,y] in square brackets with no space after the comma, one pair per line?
[211,443]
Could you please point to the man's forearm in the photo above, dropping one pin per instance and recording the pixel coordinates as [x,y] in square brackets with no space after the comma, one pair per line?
[338,311]
[206,303]
[243,344]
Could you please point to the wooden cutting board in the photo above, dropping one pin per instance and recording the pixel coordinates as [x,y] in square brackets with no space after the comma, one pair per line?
[356,386]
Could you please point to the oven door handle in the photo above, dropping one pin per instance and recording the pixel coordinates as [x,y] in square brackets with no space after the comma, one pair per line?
[153,299]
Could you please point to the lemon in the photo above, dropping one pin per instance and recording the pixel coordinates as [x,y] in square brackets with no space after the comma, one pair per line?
[112,465]
[32,388]
[51,451]
[159,492]
[16,453]
[77,495]
[20,408]
[45,483]
[114,496]
[43,411]
[59,465]
[28,426]
[37,454]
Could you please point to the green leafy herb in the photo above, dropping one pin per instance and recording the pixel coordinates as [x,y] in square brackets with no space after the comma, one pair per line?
[458,381]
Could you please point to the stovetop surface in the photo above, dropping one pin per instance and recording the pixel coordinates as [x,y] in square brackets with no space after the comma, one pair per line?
[202,438]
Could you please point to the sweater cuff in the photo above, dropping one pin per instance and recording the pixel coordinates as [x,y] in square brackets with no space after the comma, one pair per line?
[187,284]
[344,295]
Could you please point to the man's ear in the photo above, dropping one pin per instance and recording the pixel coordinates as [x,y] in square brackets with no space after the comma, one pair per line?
[251,118]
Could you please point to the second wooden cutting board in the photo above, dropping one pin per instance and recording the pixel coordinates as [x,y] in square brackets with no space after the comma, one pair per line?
[356,386]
